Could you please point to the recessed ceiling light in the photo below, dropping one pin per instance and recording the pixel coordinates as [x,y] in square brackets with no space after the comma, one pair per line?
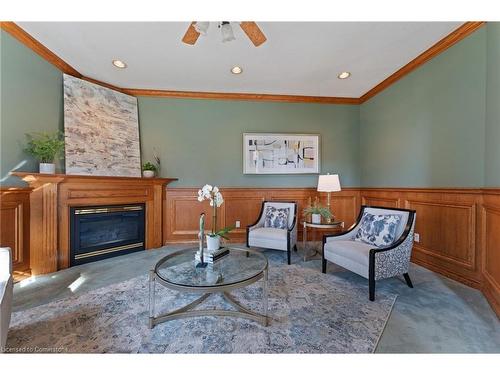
[119,64]
[236,70]
[344,75]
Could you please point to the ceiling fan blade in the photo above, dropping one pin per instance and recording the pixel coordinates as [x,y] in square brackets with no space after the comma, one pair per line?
[253,32]
[191,35]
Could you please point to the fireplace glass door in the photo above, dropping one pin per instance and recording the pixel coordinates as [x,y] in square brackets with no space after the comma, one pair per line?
[105,231]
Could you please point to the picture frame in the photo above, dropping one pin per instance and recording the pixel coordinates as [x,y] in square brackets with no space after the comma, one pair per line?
[281,153]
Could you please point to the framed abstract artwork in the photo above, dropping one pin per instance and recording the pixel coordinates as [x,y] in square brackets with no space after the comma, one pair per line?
[101,130]
[280,153]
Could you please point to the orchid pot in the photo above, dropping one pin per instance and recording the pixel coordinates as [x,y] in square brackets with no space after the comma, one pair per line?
[213,242]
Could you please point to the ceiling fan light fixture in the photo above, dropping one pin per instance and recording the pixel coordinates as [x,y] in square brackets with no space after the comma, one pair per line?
[202,27]
[119,64]
[227,32]
[236,70]
[344,75]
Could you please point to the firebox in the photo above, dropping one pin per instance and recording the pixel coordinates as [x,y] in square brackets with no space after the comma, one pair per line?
[100,232]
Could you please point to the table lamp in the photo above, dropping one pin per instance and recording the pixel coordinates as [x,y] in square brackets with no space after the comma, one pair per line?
[328,183]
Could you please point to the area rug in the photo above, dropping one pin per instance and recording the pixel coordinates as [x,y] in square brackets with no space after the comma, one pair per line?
[310,313]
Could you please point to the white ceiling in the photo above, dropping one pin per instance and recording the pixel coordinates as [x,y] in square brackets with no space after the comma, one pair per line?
[299,58]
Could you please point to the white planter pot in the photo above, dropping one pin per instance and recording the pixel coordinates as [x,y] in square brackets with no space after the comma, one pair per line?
[148,174]
[213,243]
[316,218]
[47,168]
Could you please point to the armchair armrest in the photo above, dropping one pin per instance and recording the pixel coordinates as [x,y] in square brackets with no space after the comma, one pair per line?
[294,223]
[5,263]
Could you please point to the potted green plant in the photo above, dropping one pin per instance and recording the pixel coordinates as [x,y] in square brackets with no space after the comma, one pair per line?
[46,148]
[149,169]
[213,194]
[317,211]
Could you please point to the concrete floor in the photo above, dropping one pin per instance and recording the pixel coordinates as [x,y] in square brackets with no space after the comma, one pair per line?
[438,316]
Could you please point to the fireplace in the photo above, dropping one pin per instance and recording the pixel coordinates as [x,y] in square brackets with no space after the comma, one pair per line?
[100,232]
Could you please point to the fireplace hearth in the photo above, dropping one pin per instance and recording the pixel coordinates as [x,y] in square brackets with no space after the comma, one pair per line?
[100,232]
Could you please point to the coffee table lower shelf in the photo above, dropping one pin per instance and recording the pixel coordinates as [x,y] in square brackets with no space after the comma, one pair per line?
[187,310]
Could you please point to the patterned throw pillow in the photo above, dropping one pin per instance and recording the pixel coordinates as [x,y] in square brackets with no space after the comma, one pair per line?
[378,230]
[276,217]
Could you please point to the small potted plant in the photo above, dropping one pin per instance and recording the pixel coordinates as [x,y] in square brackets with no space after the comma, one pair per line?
[317,211]
[213,194]
[46,148]
[149,169]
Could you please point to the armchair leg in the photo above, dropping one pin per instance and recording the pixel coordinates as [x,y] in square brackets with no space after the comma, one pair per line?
[295,247]
[323,266]
[408,280]
[289,256]
[371,288]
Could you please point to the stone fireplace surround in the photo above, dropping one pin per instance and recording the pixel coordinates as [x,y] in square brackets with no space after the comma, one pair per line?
[53,196]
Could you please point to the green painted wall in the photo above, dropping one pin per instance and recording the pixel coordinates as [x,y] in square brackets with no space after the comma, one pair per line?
[438,126]
[492,152]
[31,101]
[428,129]
[200,141]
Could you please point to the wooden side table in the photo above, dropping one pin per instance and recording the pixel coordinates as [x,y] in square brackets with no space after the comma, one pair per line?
[308,224]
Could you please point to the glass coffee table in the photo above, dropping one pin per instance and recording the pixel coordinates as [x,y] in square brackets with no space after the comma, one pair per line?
[178,271]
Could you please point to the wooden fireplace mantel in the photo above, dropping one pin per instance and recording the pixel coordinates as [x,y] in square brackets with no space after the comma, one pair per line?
[54,194]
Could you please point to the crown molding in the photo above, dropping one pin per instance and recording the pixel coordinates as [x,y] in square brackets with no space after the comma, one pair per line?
[101,83]
[241,96]
[454,37]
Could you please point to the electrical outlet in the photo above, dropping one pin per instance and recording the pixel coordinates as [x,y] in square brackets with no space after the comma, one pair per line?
[238,224]
[417,237]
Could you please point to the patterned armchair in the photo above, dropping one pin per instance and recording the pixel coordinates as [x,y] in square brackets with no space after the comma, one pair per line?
[389,257]
[270,231]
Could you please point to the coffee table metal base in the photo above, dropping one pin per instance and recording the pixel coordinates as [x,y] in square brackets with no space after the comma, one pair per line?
[188,312]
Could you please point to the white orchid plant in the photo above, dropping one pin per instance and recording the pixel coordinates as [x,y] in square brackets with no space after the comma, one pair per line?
[212,193]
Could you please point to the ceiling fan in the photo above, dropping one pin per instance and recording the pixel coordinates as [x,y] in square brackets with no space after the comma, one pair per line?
[197,28]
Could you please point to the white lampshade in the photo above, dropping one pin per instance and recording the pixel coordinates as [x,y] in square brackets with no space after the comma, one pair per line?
[328,183]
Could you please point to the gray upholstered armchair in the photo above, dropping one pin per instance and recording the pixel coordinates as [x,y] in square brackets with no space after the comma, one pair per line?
[6,285]
[261,234]
[375,262]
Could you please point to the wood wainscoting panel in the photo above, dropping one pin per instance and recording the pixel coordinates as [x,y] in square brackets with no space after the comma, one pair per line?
[244,205]
[183,214]
[15,226]
[447,231]
[490,234]
[447,222]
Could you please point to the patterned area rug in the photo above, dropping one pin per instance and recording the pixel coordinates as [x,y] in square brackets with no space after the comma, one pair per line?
[310,313]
